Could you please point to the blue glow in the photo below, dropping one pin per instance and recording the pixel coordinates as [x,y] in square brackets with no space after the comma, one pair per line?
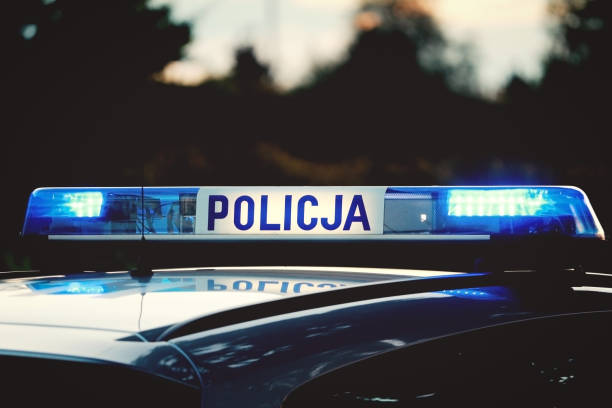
[74,287]
[490,211]
[496,202]
[79,288]
[82,211]
[492,293]
[467,293]
[86,204]
[184,282]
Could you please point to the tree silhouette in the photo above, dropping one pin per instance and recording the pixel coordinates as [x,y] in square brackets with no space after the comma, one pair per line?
[249,74]
[397,43]
[386,97]
[72,63]
[565,117]
[68,68]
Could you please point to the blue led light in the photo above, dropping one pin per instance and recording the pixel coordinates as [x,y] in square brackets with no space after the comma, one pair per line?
[496,202]
[83,211]
[86,204]
[66,204]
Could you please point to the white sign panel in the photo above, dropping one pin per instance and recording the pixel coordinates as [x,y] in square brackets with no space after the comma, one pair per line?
[290,210]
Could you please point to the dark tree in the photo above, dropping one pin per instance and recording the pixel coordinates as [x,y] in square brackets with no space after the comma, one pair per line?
[565,116]
[71,62]
[389,99]
[249,75]
[68,68]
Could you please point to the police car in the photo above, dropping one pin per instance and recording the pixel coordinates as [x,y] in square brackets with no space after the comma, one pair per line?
[309,296]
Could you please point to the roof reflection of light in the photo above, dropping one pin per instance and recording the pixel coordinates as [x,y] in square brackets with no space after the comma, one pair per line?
[78,288]
[470,293]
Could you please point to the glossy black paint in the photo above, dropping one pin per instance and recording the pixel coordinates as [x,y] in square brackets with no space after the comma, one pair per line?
[257,363]
[256,355]
[560,361]
[59,381]
[326,298]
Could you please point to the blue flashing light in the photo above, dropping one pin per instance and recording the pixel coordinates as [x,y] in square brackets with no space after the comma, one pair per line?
[83,211]
[493,211]
[86,204]
[509,202]
[65,203]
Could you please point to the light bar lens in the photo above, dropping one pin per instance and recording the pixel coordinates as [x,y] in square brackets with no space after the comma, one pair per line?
[311,212]
[496,211]
[87,204]
[83,211]
[497,203]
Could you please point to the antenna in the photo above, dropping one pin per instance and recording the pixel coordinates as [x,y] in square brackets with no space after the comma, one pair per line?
[272,21]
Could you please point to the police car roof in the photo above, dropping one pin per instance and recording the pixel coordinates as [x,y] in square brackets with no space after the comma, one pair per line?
[119,303]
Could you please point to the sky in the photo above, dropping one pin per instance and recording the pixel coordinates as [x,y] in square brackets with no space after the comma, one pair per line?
[293,36]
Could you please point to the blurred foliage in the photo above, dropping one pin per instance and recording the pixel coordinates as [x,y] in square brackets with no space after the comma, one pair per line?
[82,107]
[396,98]
[118,40]
[564,117]
[397,42]
[69,69]
[73,65]
[249,75]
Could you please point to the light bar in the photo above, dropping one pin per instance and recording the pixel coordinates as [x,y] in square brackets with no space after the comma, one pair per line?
[311,213]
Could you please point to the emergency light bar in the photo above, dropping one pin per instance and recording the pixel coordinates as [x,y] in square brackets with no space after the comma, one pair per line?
[309,213]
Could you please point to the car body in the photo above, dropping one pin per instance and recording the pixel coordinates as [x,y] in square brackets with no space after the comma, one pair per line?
[255,349]
[266,336]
